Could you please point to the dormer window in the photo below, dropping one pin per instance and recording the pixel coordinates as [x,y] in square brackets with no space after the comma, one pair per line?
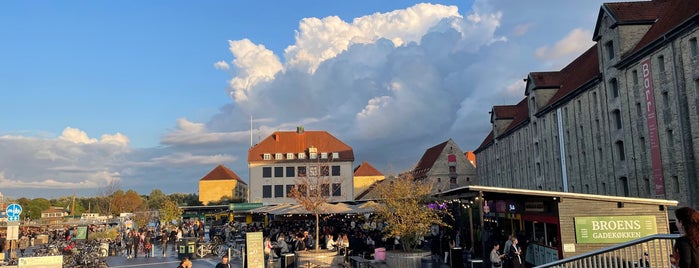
[323,155]
[609,46]
[279,156]
[267,156]
[313,155]
[289,156]
[302,155]
[336,155]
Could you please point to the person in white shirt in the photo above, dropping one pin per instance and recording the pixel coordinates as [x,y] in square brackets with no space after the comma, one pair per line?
[330,244]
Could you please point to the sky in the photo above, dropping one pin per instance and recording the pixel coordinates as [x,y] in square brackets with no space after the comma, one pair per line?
[155,94]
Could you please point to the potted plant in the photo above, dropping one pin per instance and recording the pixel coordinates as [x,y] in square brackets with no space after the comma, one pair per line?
[404,210]
[312,192]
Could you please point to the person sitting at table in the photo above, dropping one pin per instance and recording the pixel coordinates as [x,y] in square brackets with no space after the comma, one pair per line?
[330,243]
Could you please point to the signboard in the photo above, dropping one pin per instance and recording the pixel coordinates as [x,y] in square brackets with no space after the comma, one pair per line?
[254,250]
[12,231]
[652,121]
[41,262]
[81,232]
[613,229]
[13,211]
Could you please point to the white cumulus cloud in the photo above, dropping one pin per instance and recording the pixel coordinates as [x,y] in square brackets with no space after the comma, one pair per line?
[572,45]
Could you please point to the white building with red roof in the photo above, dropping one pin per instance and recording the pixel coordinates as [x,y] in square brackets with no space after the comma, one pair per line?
[279,161]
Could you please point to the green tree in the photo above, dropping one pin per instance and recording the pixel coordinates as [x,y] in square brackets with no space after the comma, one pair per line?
[169,211]
[404,210]
[156,199]
[34,208]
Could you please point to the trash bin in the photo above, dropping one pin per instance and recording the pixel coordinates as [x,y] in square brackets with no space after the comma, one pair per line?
[187,247]
[426,262]
[287,260]
[456,257]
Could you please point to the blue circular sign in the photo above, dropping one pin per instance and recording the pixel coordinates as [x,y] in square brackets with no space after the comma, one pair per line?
[13,210]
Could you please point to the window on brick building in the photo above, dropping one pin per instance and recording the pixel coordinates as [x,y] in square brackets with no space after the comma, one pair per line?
[634,77]
[661,63]
[693,47]
[290,172]
[267,172]
[336,170]
[617,118]
[620,150]
[614,87]
[337,189]
[609,46]
[624,185]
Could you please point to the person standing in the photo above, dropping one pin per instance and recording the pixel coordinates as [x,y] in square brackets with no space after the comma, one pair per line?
[687,246]
[163,241]
[186,263]
[136,238]
[496,257]
[515,256]
[129,244]
[224,262]
[23,244]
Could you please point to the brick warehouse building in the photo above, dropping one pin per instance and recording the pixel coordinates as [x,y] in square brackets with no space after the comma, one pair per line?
[621,119]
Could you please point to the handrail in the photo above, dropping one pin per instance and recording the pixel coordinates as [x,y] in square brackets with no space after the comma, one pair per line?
[610,249]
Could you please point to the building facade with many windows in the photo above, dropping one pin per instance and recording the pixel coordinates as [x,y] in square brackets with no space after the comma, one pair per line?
[280,161]
[621,119]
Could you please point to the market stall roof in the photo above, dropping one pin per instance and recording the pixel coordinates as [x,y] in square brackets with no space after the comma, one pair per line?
[270,209]
[339,208]
[367,207]
[474,190]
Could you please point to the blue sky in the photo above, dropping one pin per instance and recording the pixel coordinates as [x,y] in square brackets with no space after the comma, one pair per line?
[151,94]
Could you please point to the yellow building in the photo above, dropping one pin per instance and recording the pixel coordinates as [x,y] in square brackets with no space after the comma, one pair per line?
[221,182]
[365,175]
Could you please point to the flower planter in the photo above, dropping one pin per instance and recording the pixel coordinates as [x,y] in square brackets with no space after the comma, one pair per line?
[321,257]
[405,259]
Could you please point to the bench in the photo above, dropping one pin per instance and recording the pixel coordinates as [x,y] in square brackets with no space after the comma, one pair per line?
[359,262]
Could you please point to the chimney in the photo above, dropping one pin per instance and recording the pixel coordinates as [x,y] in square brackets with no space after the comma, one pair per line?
[299,130]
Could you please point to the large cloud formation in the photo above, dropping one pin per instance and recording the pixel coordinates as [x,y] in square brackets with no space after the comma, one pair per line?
[388,84]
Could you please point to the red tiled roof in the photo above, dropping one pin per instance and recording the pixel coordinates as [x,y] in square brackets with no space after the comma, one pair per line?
[428,159]
[521,112]
[672,14]
[487,141]
[221,172]
[577,73]
[635,11]
[546,79]
[366,169]
[294,142]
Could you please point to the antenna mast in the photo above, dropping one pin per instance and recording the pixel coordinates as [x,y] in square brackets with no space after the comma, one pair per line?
[250,130]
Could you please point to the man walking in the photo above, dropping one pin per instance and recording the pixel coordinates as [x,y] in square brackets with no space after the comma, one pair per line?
[224,263]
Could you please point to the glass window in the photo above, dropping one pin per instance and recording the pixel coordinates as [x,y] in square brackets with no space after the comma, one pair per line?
[267,191]
[337,189]
[302,155]
[278,190]
[266,172]
[336,155]
[278,172]
[288,189]
[336,170]
[693,47]
[325,189]
[301,171]
[324,171]
[323,155]
[289,156]
[279,156]
[313,171]
[624,185]
[290,172]
[267,156]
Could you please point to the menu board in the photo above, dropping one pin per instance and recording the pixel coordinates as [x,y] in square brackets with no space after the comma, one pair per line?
[254,250]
